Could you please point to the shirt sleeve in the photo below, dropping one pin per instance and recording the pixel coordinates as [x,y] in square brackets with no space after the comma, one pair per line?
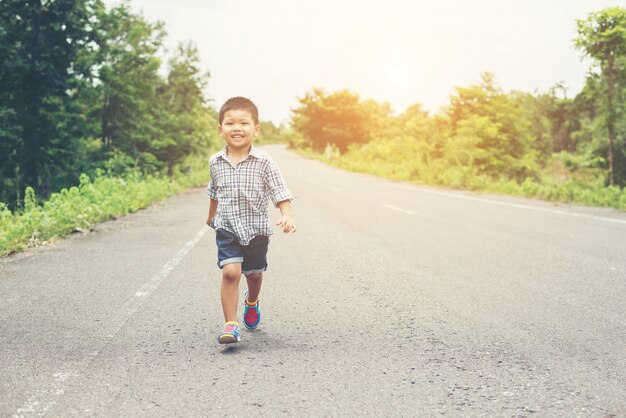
[212,187]
[275,184]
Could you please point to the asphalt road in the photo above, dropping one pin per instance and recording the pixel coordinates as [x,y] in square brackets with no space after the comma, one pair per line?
[391,299]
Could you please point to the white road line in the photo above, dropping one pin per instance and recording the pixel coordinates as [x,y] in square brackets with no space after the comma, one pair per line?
[514,205]
[45,398]
[405,211]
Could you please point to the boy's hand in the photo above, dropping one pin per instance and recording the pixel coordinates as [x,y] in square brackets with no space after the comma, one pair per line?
[212,213]
[286,224]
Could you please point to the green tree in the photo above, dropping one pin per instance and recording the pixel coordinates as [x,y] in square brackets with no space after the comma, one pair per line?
[186,123]
[553,120]
[416,122]
[40,74]
[270,133]
[491,122]
[602,36]
[80,89]
[130,85]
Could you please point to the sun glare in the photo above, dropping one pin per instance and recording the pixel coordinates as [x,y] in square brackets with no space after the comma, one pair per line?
[395,82]
[396,76]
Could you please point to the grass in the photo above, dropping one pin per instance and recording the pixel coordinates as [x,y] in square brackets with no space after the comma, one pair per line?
[589,191]
[95,199]
[101,197]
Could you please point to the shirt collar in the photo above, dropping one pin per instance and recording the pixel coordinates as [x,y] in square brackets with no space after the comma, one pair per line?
[254,152]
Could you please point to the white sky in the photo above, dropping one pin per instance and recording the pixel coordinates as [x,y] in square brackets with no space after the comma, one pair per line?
[400,51]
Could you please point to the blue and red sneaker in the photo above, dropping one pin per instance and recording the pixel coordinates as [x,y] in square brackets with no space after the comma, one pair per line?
[251,313]
[230,334]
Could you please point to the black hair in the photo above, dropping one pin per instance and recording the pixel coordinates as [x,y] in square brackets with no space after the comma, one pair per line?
[240,103]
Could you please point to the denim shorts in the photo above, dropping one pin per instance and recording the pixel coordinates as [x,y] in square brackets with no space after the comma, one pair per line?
[253,257]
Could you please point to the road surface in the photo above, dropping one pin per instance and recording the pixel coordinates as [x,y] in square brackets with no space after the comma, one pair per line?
[391,299]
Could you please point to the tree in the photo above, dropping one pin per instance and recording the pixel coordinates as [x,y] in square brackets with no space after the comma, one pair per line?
[80,89]
[339,118]
[40,43]
[270,133]
[130,86]
[485,118]
[552,118]
[602,36]
[186,122]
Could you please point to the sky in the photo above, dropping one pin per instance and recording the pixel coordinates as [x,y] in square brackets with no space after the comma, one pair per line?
[399,51]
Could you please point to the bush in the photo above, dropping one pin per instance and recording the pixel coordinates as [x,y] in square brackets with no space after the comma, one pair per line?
[94,200]
[383,158]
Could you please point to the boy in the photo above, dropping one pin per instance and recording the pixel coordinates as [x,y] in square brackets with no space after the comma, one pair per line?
[243,179]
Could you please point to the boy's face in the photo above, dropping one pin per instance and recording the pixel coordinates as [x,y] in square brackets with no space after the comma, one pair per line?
[238,129]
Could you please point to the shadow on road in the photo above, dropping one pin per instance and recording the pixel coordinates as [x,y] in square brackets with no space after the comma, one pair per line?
[255,341]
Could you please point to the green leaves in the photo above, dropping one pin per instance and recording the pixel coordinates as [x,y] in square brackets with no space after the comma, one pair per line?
[539,145]
[487,136]
[95,199]
[82,88]
[493,125]
[40,43]
[602,36]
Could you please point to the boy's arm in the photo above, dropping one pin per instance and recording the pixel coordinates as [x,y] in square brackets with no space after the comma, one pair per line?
[212,192]
[286,221]
[275,185]
[212,212]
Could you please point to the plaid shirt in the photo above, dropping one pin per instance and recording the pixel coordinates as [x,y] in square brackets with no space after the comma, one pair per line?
[243,193]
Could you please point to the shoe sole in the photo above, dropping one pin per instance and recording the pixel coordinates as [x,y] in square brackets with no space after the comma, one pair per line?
[228,339]
[250,328]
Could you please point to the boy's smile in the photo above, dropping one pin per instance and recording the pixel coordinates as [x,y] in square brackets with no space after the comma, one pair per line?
[238,129]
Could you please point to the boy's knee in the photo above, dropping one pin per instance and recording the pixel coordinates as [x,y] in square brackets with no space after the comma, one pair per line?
[231,272]
[254,276]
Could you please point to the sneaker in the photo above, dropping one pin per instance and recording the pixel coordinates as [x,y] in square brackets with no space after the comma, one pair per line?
[251,314]
[230,334]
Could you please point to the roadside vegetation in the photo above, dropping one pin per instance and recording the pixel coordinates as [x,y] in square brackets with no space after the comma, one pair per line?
[95,199]
[97,120]
[543,144]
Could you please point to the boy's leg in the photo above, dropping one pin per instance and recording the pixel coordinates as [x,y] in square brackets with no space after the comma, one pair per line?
[255,280]
[254,264]
[231,274]
[251,311]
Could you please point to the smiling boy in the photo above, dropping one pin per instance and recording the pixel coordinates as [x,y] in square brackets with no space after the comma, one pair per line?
[243,180]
